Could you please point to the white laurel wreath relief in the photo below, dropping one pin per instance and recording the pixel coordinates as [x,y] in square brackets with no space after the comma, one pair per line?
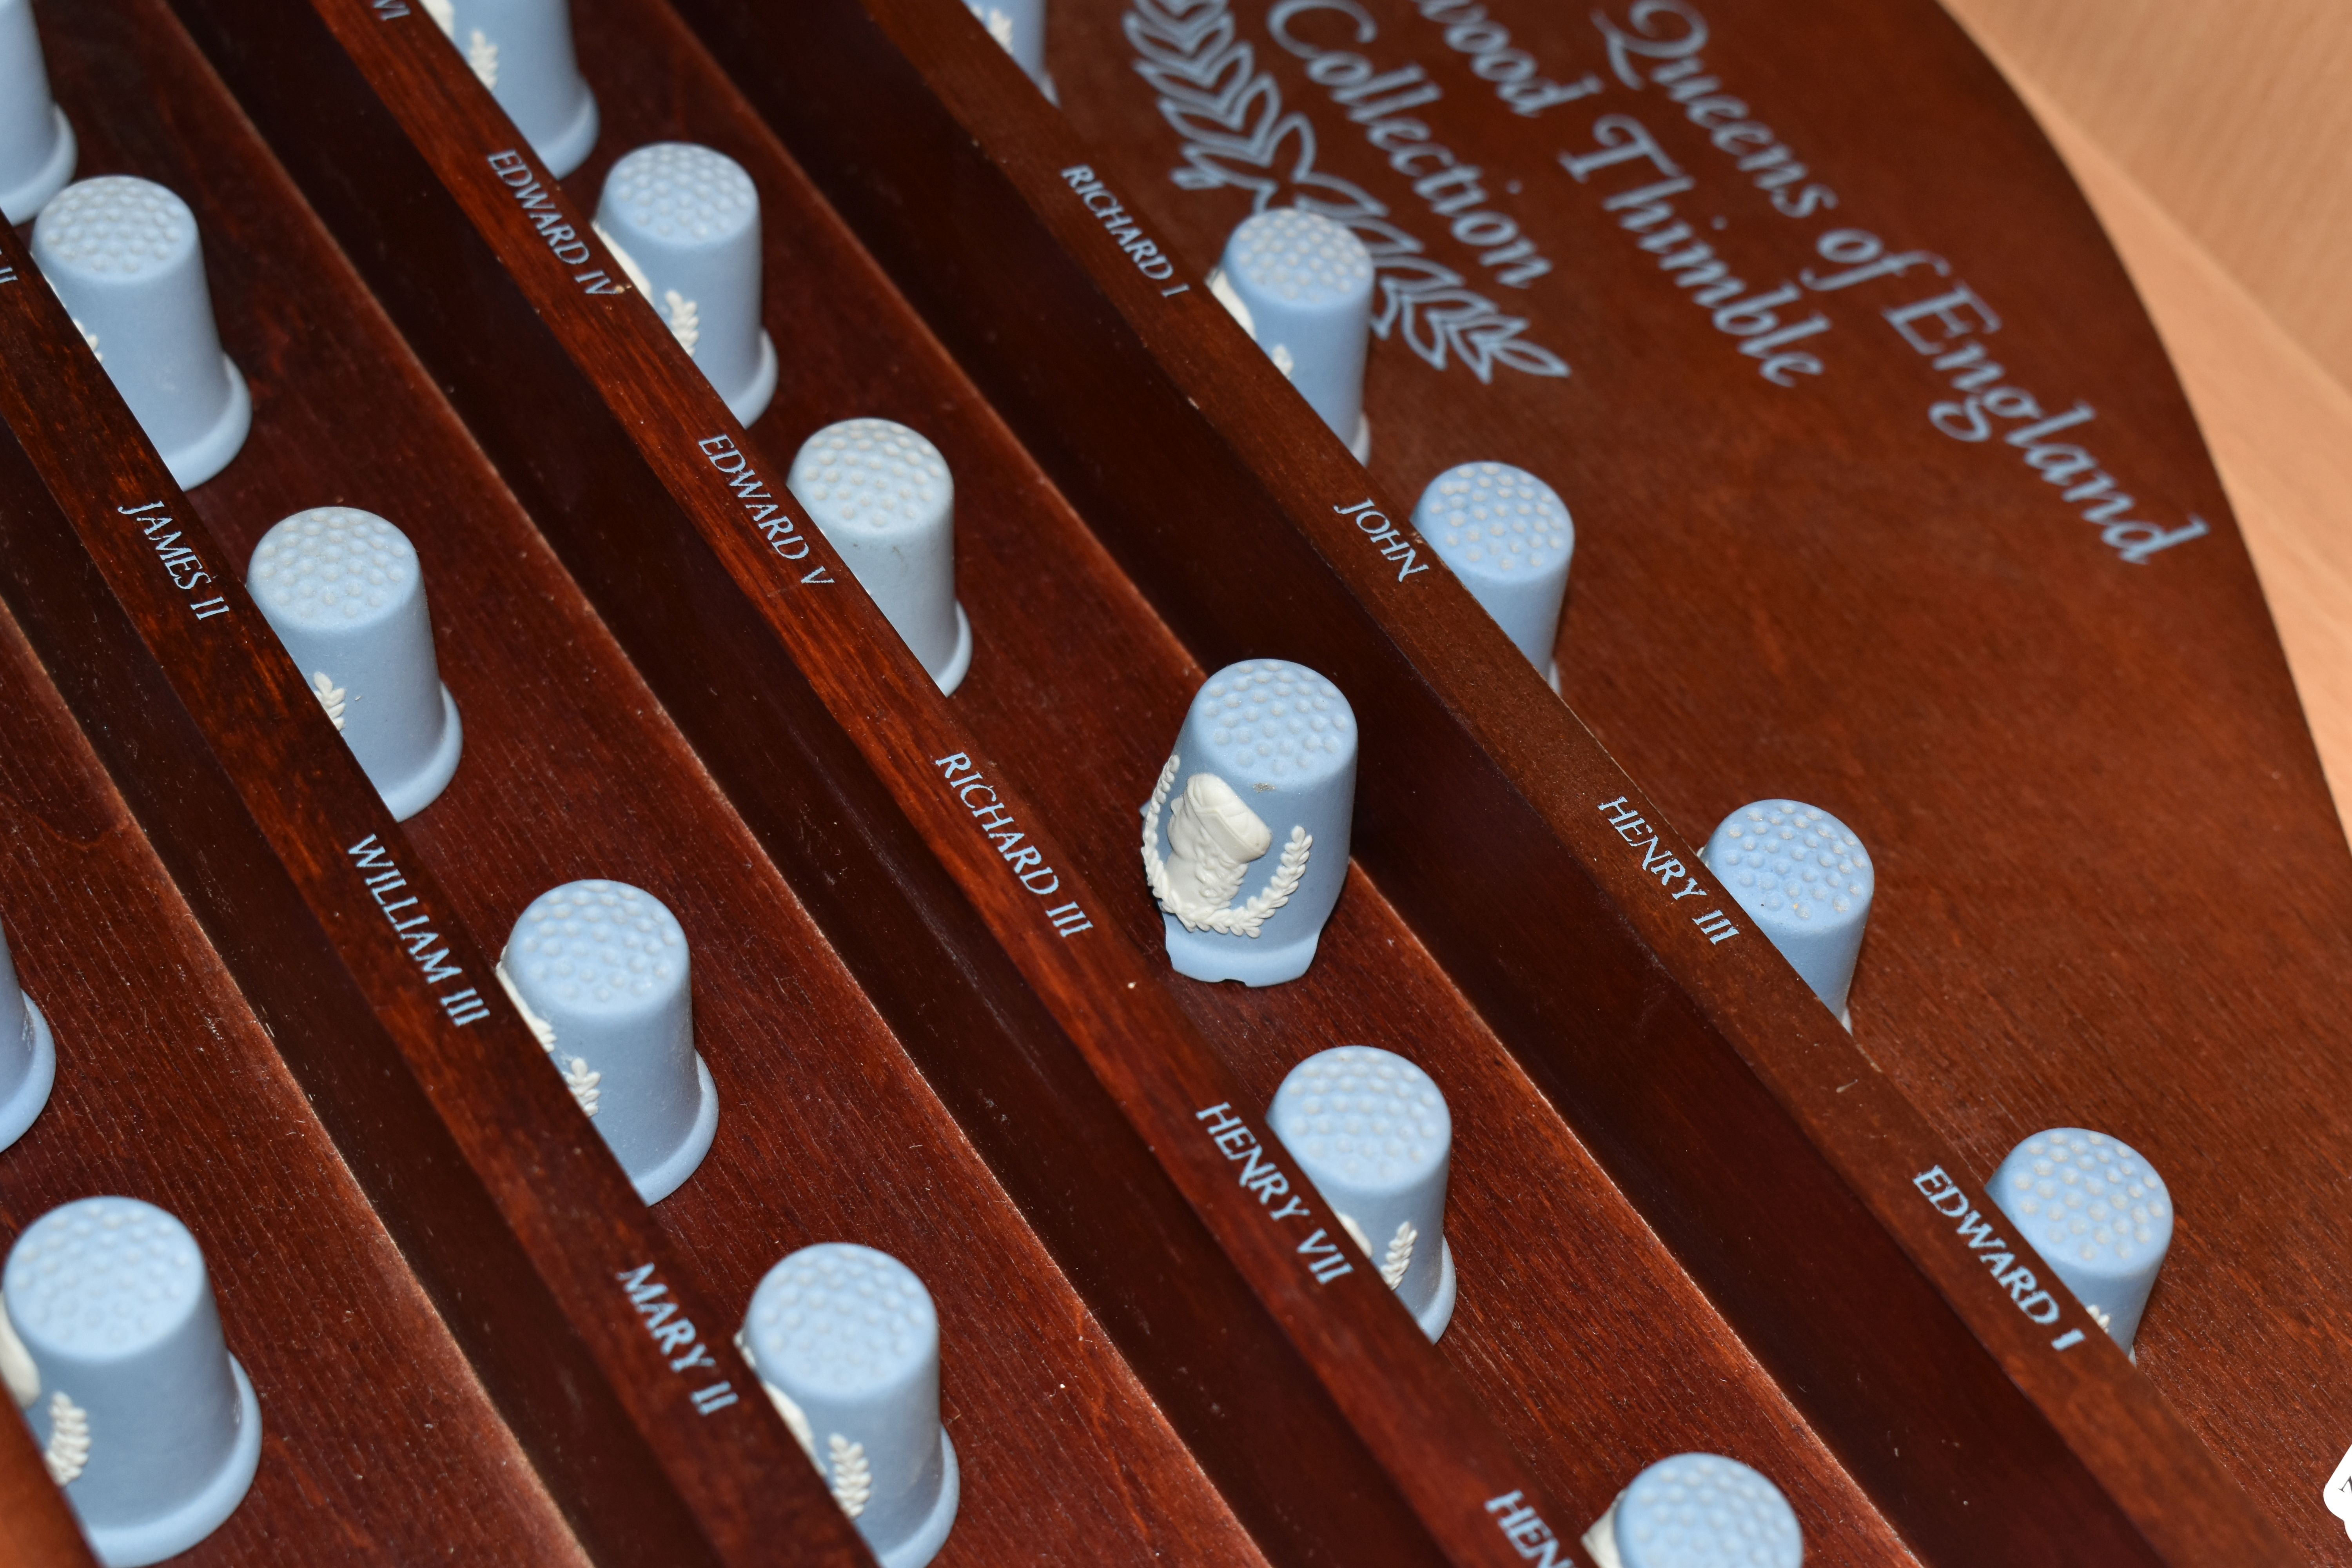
[1399,1257]
[67,1454]
[329,695]
[1236,133]
[16,1365]
[795,1419]
[576,1076]
[853,1480]
[1223,918]
[683,316]
[480,53]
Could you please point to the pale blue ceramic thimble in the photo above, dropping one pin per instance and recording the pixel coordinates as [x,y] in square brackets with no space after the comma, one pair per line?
[684,223]
[1245,836]
[884,497]
[122,254]
[600,972]
[117,1361]
[342,590]
[28,1055]
[1507,536]
[521,50]
[847,1343]
[37,145]
[2099,1214]
[1302,286]
[1698,1510]
[1019,26]
[1806,881]
[1371,1131]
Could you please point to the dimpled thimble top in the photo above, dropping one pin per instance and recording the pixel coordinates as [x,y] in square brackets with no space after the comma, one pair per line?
[1494,519]
[116,227]
[104,1278]
[1299,257]
[1365,1116]
[598,947]
[1786,857]
[1284,716]
[330,567]
[1698,1510]
[682,193]
[871,474]
[2083,1198]
[838,1321]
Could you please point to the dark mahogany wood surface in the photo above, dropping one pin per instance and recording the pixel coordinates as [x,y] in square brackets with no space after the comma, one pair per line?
[2113,891]
[378,1443]
[517,1220]
[571,770]
[1079,353]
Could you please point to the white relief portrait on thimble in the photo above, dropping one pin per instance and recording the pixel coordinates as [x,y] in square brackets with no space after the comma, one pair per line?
[1219,837]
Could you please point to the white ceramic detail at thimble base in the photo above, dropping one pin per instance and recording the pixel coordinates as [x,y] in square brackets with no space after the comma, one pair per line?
[671,1173]
[32,195]
[136,1546]
[32,1095]
[209,453]
[924,1544]
[424,786]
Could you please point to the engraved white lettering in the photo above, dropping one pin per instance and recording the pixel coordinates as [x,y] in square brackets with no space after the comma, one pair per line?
[180,563]
[674,1337]
[538,202]
[766,512]
[433,964]
[1027,862]
[1099,200]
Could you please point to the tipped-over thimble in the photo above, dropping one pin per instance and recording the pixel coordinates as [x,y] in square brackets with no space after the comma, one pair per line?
[1302,286]
[144,1417]
[28,1056]
[684,223]
[884,497]
[2099,1214]
[600,972]
[1371,1131]
[37,145]
[1019,26]
[1698,1510]
[122,254]
[1805,880]
[1245,837]
[521,50]
[342,590]
[847,1341]
[1507,536]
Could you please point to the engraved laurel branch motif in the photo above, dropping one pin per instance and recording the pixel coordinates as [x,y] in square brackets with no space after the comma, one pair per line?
[576,1076]
[1244,921]
[795,1419]
[1399,1257]
[680,314]
[1236,133]
[67,1454]
[331,697]
[853,1480]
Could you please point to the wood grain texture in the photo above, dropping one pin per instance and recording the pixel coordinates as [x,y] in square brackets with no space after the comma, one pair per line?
[517,1220]
[571,770]
[2278,423]
[378,1443]
[1640,461]
[36,1529]
[835,757]
[2232,119]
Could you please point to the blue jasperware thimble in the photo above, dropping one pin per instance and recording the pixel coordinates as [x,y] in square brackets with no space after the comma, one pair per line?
[884,497]
[1507,536]
[521,50]
[1698,1510]
[847,1341]
[1019,26]
[37,145]
[599,971]
[2099,1214]
[28,1055]
[684,223]
[1806,881]
[122,254]
[1372,1132]
[1245,837]
[1302,286]
[144,1419]
[342,590]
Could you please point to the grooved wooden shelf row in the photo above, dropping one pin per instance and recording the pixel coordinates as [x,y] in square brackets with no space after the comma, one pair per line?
[1680,1207]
